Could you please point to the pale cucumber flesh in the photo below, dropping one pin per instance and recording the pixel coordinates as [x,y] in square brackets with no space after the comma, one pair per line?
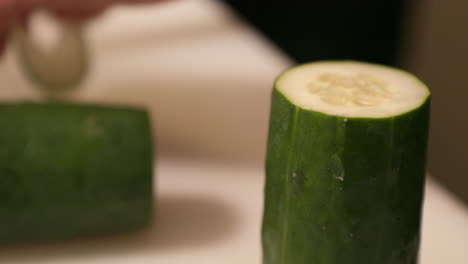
[352,89]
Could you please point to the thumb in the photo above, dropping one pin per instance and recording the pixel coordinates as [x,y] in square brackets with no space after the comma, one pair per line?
[3,40]
[6,20]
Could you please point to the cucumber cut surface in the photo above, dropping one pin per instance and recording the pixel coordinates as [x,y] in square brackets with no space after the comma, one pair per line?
[73,170]
[352,89]
[345,165]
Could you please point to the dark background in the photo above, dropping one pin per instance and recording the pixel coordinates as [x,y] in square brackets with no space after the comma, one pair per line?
[334,29]
[426,37]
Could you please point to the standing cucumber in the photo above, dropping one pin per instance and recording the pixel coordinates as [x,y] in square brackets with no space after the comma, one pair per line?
[72,170]
[345,165]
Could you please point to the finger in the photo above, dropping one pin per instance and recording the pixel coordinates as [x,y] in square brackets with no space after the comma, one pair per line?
[113,2]
[90,6]
[137,1]
[75,9]
[7,8]
[6,21]
[3,40]
[84,9]
[77,14]
[28,5]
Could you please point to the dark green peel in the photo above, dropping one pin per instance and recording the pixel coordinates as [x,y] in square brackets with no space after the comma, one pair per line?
[73,170]
[343,189]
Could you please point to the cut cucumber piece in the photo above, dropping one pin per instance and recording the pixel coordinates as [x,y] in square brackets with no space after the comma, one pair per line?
[73,170]
[55,67]
[345,165]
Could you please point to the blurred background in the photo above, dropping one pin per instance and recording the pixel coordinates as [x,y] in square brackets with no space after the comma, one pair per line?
[205,69]
[426,37]
[437,51]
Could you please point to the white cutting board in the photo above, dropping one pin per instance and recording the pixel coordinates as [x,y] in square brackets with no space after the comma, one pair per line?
[206,78]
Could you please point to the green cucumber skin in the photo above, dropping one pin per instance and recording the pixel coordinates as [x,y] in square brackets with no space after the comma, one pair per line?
[343,191]
[73,170]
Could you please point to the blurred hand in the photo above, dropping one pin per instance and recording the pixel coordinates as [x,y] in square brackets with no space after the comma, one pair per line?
[17,11]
